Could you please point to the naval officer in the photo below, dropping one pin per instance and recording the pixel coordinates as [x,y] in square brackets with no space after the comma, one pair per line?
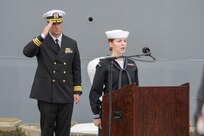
[57,82]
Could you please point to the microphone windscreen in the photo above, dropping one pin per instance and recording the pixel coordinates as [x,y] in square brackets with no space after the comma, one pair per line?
[146,50]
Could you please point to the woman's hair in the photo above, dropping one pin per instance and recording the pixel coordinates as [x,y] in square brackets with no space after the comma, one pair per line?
[110,40]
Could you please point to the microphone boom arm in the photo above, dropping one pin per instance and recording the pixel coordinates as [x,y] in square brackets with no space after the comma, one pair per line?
[130,56]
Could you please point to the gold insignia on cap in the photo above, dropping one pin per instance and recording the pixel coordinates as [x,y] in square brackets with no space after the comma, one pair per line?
[68,50]
[55,15]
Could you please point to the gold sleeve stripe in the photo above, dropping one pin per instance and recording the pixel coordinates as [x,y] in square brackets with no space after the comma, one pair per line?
[37,42]
[77,88]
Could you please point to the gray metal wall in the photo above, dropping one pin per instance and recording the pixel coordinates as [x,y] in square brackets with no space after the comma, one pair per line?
[172,29]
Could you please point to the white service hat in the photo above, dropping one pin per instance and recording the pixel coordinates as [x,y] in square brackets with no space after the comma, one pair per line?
[54,16]
[113,34]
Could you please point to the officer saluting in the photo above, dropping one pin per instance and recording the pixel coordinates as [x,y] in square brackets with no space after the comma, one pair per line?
[57,82]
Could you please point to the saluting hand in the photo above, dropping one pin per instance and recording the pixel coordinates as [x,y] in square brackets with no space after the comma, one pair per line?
[47,28]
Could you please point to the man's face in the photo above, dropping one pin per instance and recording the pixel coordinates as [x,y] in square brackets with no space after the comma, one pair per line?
[56,29]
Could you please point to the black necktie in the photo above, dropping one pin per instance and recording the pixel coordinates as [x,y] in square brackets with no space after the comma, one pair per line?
[57,44]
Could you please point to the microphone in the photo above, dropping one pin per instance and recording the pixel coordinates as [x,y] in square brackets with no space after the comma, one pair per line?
[147,52]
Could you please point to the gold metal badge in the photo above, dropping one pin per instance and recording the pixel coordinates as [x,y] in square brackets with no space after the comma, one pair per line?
[68,50]
[56,15]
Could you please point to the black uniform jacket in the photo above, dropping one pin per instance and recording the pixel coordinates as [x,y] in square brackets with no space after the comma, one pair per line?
[120,78]
[58,74]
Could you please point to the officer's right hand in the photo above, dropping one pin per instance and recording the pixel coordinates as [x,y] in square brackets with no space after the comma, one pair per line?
[47,28]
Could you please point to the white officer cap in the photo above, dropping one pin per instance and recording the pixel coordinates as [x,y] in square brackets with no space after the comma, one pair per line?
[113,34]
[54,16]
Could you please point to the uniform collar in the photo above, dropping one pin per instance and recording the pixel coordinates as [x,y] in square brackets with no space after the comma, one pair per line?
[59,38]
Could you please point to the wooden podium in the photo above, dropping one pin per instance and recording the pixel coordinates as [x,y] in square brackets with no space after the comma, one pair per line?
[147,111]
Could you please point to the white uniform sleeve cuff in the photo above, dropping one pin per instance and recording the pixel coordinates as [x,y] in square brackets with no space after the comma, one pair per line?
[43,36]
[96,116]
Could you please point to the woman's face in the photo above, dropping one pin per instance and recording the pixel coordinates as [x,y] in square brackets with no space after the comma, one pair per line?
[118,46]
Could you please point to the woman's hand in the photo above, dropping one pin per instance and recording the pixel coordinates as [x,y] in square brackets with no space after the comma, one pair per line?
[97,122]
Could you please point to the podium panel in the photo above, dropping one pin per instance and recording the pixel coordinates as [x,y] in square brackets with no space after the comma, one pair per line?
[147,111]
[123,119]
